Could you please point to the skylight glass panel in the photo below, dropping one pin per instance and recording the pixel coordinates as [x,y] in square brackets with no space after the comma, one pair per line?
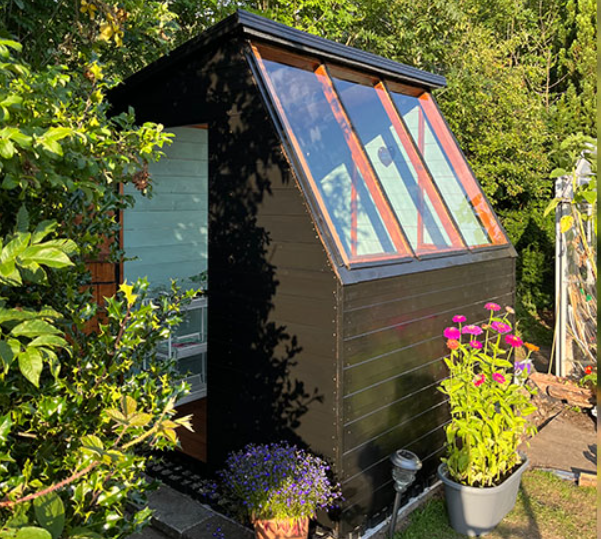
[350,197]
[449,170]
[411,192]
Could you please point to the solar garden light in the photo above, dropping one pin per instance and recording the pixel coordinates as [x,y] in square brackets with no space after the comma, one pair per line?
[405,465]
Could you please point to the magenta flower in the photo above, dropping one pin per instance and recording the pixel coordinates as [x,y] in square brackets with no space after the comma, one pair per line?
[452,333]
[514,341]
[492,307]
[479,380]
[472,330]
[459,318]
[476,344]
[501,327]
[498,377]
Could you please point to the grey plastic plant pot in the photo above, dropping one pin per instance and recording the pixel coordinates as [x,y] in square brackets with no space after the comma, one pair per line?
[476,511]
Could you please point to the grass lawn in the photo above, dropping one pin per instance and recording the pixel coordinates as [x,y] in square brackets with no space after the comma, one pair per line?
[547,508]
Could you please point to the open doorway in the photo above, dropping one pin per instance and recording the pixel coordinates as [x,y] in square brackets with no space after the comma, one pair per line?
[166,238]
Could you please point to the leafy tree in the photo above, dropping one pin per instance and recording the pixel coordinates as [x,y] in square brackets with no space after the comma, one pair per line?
[74,406]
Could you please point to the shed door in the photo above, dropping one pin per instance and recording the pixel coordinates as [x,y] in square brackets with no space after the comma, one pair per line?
[167,235]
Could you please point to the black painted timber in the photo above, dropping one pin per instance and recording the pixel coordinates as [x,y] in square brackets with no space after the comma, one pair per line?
[272,351]
[250,25]
[392,358]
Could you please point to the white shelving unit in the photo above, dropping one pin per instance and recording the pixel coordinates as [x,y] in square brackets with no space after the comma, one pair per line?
[189,347]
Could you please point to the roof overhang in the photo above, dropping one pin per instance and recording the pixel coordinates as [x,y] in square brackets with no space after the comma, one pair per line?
[275,33]
[245,24]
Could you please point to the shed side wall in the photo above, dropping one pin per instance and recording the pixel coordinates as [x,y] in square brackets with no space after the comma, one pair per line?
[392,362]
[272,294]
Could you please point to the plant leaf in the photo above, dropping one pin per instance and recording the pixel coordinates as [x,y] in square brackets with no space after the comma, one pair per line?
[48,256]
[5,426]
[6,354]
[129,406]
[565,223]
[49,340]
[22,219]
[34,328]
[31,364]
[50,513]
[33,532]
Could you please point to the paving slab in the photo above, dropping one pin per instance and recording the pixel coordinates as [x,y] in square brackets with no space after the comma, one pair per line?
[218,527]
[174,513]
[568,443]
[149,533]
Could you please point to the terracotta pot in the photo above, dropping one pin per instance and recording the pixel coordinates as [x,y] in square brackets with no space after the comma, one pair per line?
[293,528]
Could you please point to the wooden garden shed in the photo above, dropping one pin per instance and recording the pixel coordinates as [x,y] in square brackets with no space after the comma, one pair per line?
[341,228]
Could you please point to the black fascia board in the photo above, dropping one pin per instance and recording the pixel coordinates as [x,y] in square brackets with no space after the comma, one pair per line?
[279,34]
[254,26]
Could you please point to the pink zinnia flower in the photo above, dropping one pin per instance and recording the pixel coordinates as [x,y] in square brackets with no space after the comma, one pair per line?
[476,344]
[498,377]
[514,341]
[479,380]
[472,330]
[501,327]
[459,318]
[452,333]
[492,307]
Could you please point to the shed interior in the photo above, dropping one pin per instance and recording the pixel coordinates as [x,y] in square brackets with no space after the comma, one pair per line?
[340,226]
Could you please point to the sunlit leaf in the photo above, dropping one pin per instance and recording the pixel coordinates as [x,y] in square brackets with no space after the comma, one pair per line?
[30,365]
[50,513]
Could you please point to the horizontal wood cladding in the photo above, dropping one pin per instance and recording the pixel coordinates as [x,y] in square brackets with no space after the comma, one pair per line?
[371,399]
[379,291]
[415,305]
[368,429]
[392,363]
[290,309]
[379,470]
[406,435]
[371,345]
[370,501]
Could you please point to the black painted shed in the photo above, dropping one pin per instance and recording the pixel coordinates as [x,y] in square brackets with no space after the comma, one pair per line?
[344,228]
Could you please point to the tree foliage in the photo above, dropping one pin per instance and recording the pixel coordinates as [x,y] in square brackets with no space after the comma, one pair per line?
[74,407]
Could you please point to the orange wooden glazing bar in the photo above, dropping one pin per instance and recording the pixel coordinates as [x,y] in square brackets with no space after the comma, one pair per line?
[462,170]
[425,181]
[361,162]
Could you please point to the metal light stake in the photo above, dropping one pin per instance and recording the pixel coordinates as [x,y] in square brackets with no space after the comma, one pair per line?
[405,465]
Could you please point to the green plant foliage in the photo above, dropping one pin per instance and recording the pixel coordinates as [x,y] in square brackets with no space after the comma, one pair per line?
[77,411]
[489,401]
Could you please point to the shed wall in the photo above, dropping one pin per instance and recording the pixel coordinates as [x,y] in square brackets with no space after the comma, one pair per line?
[392,361]
[272,293]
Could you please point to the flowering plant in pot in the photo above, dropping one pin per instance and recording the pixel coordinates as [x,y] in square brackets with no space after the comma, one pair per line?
[279,488]
[489,404]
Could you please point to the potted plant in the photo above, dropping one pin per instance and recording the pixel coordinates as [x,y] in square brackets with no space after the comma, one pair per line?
[279,488]
[489,404]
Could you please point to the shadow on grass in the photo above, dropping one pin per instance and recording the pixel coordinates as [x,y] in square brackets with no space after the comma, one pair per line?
[431,522]
[530,528]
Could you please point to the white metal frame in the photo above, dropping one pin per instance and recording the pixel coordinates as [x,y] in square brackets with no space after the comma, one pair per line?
[198,382]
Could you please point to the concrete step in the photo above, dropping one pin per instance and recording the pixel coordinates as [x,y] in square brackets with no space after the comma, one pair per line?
[177,516]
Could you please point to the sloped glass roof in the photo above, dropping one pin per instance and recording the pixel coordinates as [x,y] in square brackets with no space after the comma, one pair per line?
[385,172]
